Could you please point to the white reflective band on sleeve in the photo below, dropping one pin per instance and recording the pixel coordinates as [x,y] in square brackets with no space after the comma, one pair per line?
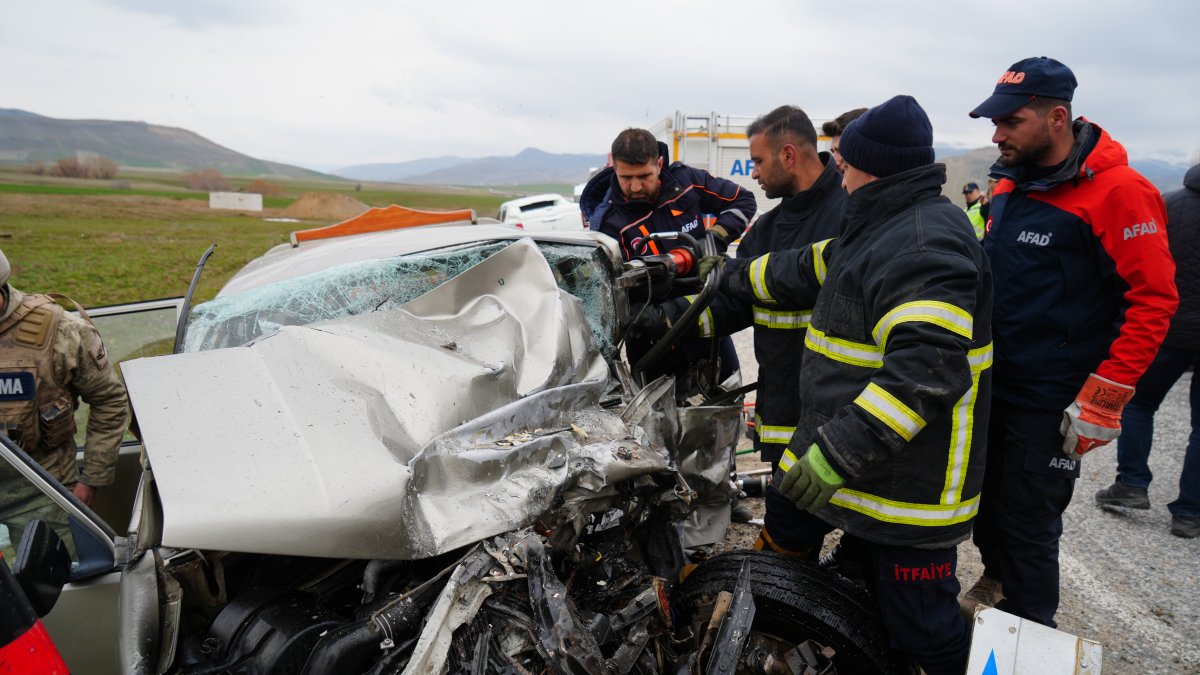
[981,358]
[844,351]
[889,511]
[953,319]
[758,278]
[771,318]
[819,260]
[704,322]
[962,427]
[890,410]
[787,461]
[769,433]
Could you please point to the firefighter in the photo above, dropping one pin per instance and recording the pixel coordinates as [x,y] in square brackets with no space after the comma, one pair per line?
[1084,294]
[49,360]
[895,381]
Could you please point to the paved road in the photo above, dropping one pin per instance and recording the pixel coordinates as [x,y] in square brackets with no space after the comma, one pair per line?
[1126,581]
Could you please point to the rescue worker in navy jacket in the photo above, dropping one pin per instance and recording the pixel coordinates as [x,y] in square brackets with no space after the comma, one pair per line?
[783,147]
[1084,295]
[641,194]
[895,381]
[49,360]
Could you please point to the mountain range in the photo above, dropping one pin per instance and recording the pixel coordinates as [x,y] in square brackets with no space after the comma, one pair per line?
[27,137]
[530,166]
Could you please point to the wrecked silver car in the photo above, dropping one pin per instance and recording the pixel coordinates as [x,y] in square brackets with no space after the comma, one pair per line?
[417,451]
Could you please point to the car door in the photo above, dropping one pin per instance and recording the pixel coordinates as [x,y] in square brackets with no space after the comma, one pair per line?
[83,623]
[129,331]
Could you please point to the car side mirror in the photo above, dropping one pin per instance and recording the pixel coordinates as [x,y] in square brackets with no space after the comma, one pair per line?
[42,566]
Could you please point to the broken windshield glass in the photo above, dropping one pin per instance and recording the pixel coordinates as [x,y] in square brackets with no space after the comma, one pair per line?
[373,285]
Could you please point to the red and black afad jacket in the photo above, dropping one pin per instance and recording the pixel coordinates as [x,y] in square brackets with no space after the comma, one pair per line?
[1084,278]
[684,199]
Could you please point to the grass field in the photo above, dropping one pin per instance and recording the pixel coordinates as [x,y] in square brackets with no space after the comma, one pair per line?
[102,245]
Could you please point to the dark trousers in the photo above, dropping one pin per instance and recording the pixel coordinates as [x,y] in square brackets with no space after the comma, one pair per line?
[1137,429]
[916,589]
[1026,488]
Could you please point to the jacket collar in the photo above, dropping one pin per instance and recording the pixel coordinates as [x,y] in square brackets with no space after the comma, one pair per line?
[829,180]
[1092,152]
[875,202]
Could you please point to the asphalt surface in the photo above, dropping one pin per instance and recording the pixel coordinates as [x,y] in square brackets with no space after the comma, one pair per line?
[1127,582]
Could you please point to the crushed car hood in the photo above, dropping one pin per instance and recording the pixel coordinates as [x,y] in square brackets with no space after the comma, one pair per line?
[394,434]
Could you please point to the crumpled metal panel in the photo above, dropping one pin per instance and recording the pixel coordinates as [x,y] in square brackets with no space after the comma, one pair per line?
[383,435]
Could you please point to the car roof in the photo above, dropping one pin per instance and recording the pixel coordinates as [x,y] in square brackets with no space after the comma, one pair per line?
[286,261]
[525,201]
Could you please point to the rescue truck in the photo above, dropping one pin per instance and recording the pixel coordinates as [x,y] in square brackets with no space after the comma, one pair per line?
[717,143]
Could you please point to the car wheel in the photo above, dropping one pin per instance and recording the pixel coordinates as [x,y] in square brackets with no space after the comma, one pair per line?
[795,601]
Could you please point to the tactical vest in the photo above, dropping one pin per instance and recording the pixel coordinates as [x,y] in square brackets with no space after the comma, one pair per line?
[36,412]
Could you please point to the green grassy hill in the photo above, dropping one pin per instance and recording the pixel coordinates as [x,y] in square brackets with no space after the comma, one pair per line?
[27,137]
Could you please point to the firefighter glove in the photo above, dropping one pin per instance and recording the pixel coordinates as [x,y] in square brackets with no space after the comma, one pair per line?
[651,322]
[710,264]
[1094,419]
[810,481]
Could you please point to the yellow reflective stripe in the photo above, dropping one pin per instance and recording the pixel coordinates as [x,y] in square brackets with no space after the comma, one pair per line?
[771,318]
[787,461]
[772,433]
[758,278]
[953,319]
[891,511]
[844,351]
[981,358]
[819,260]
[962,427]
[705,321]
[890,410]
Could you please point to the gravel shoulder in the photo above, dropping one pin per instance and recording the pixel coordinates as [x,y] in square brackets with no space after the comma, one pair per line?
[1127,583]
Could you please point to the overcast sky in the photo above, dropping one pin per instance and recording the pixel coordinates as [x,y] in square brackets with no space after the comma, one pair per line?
[333,83]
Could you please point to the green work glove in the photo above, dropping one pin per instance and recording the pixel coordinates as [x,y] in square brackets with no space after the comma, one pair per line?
[709,264]
[810,481]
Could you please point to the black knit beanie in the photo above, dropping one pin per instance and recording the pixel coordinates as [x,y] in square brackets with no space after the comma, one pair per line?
[893,136]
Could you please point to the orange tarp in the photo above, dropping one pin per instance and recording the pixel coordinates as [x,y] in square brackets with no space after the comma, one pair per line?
[380,219]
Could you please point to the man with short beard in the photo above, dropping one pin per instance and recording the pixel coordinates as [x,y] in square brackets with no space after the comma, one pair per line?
[1084,295]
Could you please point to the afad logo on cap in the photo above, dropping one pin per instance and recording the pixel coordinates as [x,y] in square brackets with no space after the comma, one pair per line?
[1010,77]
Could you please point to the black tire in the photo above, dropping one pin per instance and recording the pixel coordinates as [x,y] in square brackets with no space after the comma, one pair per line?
[796,601]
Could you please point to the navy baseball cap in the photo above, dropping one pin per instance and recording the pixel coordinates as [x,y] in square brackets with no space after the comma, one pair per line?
[970,187]
[1025,79]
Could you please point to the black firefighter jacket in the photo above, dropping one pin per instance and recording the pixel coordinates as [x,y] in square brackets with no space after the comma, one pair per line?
[896,383]
[797,221]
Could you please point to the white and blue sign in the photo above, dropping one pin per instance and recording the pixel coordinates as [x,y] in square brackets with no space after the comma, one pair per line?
[16,386]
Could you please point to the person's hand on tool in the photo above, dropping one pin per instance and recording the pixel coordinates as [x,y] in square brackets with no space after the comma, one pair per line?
[652,322]
[810,480]
[709,264]
[1094,418]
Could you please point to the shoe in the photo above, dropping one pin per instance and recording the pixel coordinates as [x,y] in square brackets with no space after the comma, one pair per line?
[739,512]
[1187,527]
[1120,494]
[986,592]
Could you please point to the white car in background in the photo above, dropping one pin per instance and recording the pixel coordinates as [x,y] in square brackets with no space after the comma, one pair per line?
[539,213]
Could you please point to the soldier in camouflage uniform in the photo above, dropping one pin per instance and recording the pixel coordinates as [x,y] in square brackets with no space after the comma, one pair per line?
[49,360]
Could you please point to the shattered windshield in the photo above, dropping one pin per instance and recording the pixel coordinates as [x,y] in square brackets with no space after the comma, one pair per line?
[373,285]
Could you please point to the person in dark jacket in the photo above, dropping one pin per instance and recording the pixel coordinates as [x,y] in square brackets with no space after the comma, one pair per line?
[783,147]
[895,381]
[641,194]
[1084,294]
[1180,351]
